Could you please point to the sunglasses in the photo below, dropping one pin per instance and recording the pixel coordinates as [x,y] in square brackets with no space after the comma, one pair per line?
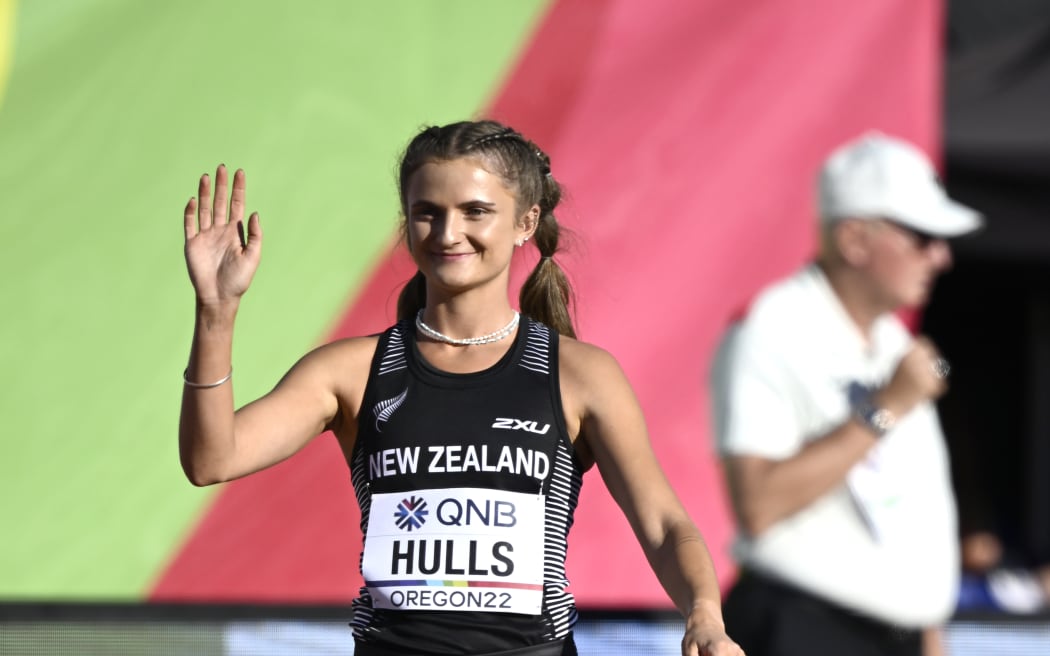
[922,240]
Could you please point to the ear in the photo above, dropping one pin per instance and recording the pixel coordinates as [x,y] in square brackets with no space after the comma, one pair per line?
[528,224]
[852,240]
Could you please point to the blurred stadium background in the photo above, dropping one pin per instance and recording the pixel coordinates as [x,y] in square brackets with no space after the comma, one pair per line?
[686,133]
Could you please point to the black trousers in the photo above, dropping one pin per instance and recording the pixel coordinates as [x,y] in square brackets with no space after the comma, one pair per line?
[768,618]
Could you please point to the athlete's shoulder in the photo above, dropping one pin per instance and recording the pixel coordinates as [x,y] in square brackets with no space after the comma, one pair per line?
[347,354]
[348,346]
[579,349]
[585,362]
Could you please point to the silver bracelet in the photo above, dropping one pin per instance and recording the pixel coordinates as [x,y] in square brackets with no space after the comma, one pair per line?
[186,381]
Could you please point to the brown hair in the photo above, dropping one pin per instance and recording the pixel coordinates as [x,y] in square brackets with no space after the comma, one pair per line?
[525,169]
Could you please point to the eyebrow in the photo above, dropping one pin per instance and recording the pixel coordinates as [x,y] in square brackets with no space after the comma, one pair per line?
[426,204]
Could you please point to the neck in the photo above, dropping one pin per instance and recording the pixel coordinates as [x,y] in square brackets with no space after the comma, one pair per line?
[467,315]
[856,297]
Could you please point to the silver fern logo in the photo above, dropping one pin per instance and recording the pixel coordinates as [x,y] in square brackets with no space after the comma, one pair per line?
[385,409]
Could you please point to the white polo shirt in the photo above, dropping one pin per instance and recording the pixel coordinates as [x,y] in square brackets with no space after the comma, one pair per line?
[884,543]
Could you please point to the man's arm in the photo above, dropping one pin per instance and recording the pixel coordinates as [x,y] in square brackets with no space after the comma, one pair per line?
[765,491]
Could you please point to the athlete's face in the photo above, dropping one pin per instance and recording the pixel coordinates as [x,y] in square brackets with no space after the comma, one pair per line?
[462,224]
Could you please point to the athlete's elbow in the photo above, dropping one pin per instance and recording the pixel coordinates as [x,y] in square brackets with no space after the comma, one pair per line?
[200,478]
[200,474]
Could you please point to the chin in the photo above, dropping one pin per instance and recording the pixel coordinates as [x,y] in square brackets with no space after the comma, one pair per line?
[907,300]
[919,299]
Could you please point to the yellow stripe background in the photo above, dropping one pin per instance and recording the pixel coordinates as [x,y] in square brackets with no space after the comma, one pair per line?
[7,29]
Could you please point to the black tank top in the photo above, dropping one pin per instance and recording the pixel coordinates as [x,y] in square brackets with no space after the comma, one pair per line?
[467,485]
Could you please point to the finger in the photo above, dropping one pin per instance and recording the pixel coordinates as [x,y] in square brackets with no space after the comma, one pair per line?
[253,244]
[237,197]
[189,219]
[204,202]
[219,208]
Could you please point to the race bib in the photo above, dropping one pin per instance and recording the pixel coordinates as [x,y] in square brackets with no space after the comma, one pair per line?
[456,549]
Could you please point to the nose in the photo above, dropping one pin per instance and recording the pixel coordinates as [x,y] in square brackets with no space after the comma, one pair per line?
[940,254]
[450,228]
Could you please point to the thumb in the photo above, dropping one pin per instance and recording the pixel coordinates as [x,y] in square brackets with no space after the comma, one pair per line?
[253,243]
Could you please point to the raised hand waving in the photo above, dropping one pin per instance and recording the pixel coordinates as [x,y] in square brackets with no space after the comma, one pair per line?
[221,255]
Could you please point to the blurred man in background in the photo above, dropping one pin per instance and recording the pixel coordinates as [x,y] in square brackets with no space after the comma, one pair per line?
[825,420]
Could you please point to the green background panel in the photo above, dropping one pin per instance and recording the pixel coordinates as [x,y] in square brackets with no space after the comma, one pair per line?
[112,110]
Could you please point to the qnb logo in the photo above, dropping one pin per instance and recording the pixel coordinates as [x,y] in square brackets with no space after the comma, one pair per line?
[411,513]
[520,424]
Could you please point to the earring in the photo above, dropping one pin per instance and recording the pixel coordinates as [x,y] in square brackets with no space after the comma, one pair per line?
[518,243]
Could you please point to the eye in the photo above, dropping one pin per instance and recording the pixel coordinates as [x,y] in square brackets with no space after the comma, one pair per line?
[476,211]
[920,239]
[923,240]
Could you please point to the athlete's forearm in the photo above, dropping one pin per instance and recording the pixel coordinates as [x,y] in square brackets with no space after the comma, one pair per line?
[206,436]
[684,568]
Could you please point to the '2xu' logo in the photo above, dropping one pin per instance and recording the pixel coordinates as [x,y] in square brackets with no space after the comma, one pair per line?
[520,424]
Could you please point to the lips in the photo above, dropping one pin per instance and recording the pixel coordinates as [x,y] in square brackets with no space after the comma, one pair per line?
[451,256]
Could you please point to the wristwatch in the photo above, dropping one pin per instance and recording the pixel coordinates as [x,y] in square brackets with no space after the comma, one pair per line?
[879,420]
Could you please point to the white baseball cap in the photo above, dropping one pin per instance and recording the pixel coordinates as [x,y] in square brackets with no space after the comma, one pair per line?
[877,176]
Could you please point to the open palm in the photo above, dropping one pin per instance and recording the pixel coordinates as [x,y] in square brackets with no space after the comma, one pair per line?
[221,255]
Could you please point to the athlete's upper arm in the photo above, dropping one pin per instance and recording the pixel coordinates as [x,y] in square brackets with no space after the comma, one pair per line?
[614,429]
[324,387]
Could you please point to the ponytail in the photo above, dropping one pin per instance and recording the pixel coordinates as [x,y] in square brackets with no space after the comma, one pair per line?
[413,297]
[547,294]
